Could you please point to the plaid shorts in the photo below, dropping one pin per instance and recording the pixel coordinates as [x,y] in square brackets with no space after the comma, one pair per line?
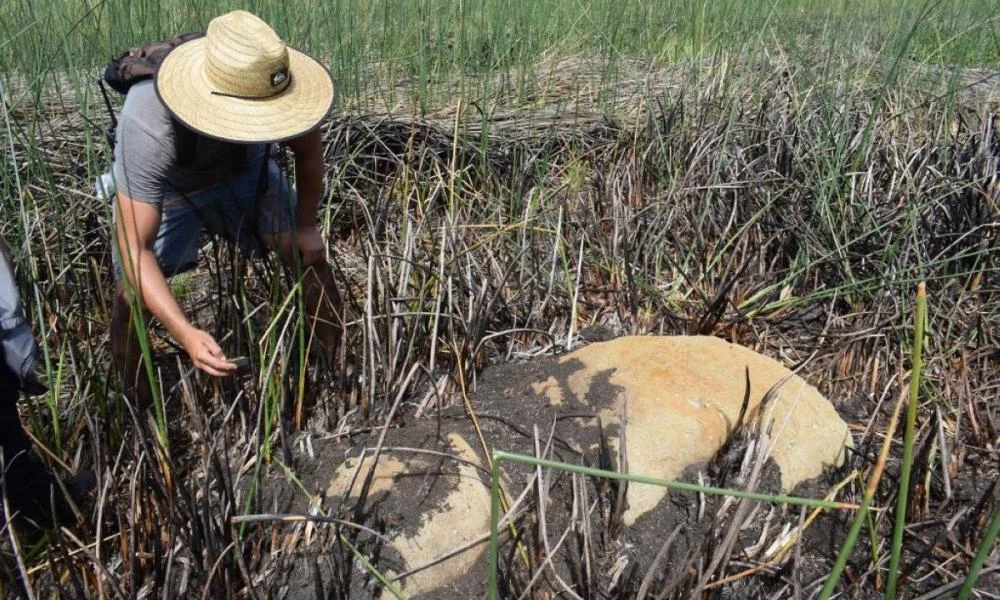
[235,210]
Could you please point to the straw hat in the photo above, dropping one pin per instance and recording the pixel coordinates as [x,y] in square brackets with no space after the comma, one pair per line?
[240,83]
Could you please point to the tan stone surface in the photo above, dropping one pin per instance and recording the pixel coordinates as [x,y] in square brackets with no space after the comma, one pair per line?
[550,389]
[460,517]
[684,393]
[464,517]
[386,471]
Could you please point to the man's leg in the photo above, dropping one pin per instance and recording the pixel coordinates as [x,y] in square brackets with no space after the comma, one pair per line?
[271,211]
[325,307]
[126,349]
[322,300]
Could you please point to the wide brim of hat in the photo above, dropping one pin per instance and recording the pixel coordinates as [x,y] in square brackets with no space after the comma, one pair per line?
[183,87]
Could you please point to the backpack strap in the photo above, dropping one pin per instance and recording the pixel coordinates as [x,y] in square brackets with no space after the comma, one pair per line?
[262,178]
[109,131]
[185,142]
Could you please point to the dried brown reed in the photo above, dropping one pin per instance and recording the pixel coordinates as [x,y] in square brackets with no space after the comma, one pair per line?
[784,214]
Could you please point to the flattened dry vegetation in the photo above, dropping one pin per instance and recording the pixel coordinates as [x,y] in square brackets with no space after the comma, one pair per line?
[779,211]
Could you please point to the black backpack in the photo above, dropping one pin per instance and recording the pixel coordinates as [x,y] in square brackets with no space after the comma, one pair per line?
[135,65]
[141,63]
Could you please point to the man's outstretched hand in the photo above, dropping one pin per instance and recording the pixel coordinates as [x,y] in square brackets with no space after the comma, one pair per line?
[205,353]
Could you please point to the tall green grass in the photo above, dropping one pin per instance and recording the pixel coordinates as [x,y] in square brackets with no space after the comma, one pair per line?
[373,46]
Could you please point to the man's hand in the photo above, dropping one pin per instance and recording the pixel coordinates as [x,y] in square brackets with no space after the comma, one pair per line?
[312,250]
[206,353]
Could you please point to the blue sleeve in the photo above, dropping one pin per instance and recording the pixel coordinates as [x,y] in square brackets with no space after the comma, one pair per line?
[18,348]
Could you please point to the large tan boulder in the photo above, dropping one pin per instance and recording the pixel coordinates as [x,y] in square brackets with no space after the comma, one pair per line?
[683,396]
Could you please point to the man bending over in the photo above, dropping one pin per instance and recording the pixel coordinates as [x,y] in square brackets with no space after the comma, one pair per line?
[195,149]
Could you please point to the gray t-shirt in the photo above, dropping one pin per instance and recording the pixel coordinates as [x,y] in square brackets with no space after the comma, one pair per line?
[149,165]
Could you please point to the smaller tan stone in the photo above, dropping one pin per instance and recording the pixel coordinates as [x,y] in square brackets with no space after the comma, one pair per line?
[461,517]
[464,517]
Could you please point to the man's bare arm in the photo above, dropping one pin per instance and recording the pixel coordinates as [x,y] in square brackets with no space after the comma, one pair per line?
[308,151]
[136,226]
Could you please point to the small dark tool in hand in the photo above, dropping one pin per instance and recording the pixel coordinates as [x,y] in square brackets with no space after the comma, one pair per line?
[242,362]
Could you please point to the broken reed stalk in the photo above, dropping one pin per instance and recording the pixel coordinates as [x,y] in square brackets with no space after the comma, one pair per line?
[911,419]
[876,477]
[299,518]
[981,555]
[500,456]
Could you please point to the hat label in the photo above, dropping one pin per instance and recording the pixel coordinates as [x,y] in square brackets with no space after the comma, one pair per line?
[279,77]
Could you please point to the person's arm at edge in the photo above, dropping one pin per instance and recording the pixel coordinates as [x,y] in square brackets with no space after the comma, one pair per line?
[137,224]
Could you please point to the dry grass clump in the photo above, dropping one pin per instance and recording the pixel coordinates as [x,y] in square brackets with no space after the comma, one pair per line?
[790,215]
